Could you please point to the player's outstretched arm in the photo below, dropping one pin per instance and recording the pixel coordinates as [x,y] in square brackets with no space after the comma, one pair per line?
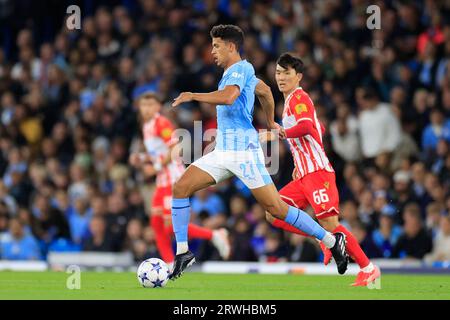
[267,102]
[226,96]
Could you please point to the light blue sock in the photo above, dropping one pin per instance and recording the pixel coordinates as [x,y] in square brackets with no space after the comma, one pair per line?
[301,220]
[181,210]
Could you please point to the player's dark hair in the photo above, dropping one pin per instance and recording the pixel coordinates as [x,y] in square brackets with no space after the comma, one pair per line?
[229,32]
[287,60]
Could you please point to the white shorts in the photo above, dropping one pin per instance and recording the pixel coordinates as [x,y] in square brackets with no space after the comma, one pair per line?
[247,165]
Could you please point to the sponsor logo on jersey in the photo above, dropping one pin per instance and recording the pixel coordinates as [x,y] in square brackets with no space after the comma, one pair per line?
[237,75]
[300,108]
[166,133]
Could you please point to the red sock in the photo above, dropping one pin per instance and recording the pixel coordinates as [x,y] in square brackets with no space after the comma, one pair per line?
[353,247]
[163,238]
[197,232]
[286,226]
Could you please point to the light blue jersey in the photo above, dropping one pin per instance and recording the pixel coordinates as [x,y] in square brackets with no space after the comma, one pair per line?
[235,130]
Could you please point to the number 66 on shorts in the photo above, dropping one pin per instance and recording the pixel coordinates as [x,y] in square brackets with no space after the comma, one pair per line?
[317,189]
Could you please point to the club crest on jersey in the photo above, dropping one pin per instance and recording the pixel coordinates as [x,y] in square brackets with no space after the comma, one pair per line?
[166,133]
[326,184]
[323,206]
[301,107]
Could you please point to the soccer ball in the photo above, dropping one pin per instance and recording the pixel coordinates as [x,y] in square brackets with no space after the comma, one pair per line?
[153,273]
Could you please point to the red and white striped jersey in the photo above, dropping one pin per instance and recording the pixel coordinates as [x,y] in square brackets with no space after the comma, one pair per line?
[158,139]
[308,153]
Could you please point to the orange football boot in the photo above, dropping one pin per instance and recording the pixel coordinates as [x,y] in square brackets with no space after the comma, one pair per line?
[363,278]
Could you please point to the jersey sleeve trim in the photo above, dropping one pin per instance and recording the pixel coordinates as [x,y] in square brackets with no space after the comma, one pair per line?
[303,119]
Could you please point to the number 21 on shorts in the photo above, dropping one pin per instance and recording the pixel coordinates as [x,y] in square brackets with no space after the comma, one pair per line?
[320,196]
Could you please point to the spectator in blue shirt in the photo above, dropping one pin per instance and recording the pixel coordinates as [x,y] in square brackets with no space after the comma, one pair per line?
[17,245]
[386,236]
[439,128]
[79,216]
[16,164]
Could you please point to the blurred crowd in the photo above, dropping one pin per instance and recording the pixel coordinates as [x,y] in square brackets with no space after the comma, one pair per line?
[69,121]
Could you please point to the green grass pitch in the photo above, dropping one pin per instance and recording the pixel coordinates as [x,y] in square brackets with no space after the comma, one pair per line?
[192,286]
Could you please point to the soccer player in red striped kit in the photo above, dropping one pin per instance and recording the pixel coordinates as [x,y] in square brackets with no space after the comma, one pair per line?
[314,178]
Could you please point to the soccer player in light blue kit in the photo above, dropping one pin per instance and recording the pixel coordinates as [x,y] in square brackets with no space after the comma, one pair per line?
[237,151]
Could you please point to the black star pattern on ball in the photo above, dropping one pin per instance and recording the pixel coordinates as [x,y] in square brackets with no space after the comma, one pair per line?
[143,277]
[157,283]
[156,267]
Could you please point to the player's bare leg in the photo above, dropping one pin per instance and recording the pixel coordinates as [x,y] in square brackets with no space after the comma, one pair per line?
[192,180]
[368,272]
[271,201]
